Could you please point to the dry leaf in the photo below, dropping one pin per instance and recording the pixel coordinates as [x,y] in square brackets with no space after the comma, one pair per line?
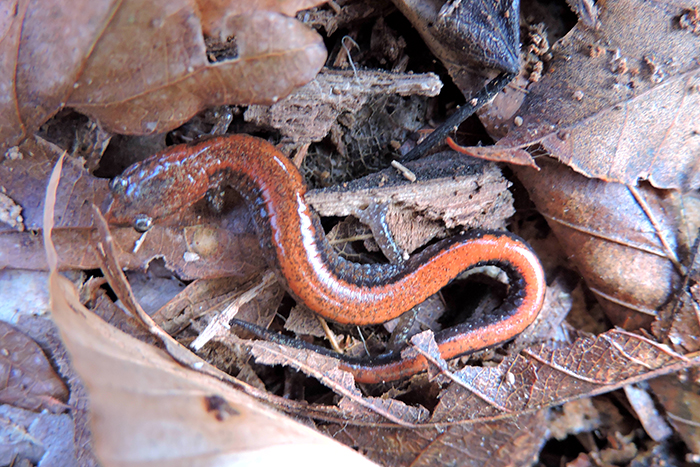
[215,12]
[143,68]
[505,403]
[679,397]
[611,239]
[28,380]
[620,103]
[514,442]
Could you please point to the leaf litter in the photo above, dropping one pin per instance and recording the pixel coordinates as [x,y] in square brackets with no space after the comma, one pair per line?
[486,398]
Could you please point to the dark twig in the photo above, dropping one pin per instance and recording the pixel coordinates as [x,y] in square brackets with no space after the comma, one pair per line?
[487,93]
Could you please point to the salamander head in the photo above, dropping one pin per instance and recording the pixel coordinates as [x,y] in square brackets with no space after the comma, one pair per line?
[137,201]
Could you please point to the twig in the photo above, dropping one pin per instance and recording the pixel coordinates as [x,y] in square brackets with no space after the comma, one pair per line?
[488,92]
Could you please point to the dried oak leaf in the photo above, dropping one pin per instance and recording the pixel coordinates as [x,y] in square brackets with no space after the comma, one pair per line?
[613,235]
[622,102]
[507,401]
[28,380]
[142,68]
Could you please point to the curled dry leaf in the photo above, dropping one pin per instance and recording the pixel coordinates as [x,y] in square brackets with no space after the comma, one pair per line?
[28,380]
[495,154]
[142,68]
[468,36]
[148,408]
[620,103]
[611,239]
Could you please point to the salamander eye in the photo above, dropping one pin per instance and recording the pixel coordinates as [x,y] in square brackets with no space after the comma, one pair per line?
[142,223]
[118,186]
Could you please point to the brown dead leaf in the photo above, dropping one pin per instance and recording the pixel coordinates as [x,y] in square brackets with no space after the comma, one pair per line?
[610,238]
[302,321]
[505,403]
[28,380]
[147,408]
[496,154]
[679,397]
[620,103]
[143,68]
[513,442]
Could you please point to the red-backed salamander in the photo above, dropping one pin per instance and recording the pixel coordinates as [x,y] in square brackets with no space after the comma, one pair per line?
[295,246]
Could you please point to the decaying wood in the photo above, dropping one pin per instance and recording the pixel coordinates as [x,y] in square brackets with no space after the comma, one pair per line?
[308,114]
[451,192]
